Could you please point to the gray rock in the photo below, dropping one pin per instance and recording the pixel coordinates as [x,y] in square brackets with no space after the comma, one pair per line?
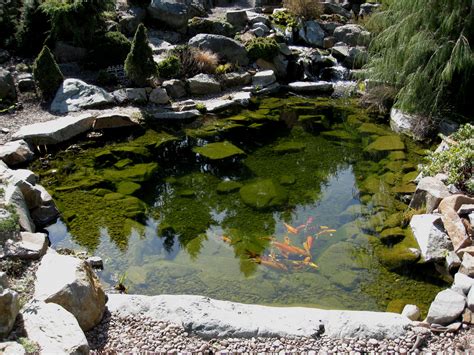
[255,17]
[357,58]
[368,8]
[452,261]
[412,312]
[11,348]
[463,282]
[175,88]
[54,329]
[55,131]
[335,9]
[133,95]
[26,82]
[340,52]
[9,308]
[16,152]
[175,14]
[198,25]
[4,56]
[31,246]
[236,79]
[212,318]
[159,96]
[237,18]
[203,84]
[66,53]
[403,123]
[3,280]
[432,239]
[429,192]
[308,86]
[470,299]
[129,20]
[76,95]
[117,118]
[176,116]
[71,283]
[95,262]
[264,78]
[312,34]
[446,307]
[227,48]
[467,265]
[257,32]
[353,35]
[14,197]
[47,211]
[466,209]
[7,86]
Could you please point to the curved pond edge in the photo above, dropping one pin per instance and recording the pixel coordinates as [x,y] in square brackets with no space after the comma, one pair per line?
[210,318]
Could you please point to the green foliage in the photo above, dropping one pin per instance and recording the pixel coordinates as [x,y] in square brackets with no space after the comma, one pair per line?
[426,55]
[29,345]
[284,18]
[9,13]
[170,67]
[10,224]
[32,29]
[142,3]
[457,161]
[76,20]
[201,107]
[47,74]
[111,49]
[139,65]
[307,9]
[224,68]
[262,47]
[104,78]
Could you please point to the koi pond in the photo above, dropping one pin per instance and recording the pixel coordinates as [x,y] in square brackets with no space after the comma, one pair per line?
[294,201]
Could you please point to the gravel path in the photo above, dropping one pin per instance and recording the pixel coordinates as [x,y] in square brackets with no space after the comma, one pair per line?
[141,334]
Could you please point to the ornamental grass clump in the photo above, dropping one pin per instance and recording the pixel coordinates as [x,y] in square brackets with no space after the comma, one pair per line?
[306,9]
[47,74]
[139,65]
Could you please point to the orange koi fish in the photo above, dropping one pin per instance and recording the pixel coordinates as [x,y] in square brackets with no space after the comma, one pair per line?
[327,231]
[226,239]
[308,244]
[324,227]
[287,240]
[273,263]
[290,229]
[289,249]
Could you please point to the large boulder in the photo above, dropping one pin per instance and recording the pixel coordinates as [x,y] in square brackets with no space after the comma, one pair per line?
[353,35]
[446,307]
[429,192]
[203,84]
[16,152]
[30,246]
[55,131]
[237,18]
[312,34]
[7,86]
[54,329]
[130,19]
[9,308]
[335,9]
[159,96]
[431,237]
[174,13]
[175,88]
[452,222]
[71,283]
[11,348]
[229,49]
[76,95]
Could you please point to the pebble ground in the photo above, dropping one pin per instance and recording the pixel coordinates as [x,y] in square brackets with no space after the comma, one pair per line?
[141,334]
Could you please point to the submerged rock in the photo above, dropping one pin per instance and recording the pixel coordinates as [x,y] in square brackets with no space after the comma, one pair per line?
[263,194]
[386,143]
[219,151]
[226,187]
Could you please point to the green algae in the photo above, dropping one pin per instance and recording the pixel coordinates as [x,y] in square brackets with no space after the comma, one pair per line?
[263,194]
[219,151]
[289,147]
[226,187]
[386,143]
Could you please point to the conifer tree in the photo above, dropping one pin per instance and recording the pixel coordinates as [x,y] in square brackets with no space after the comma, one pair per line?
[47,74]
[424,49]
[139,65]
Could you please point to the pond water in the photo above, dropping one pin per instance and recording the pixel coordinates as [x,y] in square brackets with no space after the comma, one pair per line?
[295,201]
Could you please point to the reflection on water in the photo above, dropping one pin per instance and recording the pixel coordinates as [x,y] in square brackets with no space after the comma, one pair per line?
[301,219]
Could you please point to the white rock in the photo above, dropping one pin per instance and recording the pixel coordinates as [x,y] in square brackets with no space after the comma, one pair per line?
[446,307]
[403,123]
[9,308]
[54,329]
[452,261]
[212,318]
[13,196]
[75,95]
[467,265]
[159,96]
[30,246]
[203,84]
[16,152]
[71,283]
[431,237]
[470,299]
[55,131]
[463,282]
[264,78]
[11,348]
[412,312]
[3,280]
[429,192]
[307,86]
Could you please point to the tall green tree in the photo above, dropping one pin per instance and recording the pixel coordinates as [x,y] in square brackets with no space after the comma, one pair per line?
[424,48]
[47,74]
[33,28]
[139,65]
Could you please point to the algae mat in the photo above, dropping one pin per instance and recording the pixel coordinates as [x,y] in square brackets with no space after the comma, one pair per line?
[303,212]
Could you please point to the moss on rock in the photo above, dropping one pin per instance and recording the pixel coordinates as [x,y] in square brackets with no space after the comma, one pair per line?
[219,151]
[263,194]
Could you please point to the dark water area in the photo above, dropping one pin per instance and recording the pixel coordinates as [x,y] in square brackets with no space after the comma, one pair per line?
[295,201]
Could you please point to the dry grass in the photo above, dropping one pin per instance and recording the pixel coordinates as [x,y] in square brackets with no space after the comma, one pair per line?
[380,98]
[307,9]
[206,61]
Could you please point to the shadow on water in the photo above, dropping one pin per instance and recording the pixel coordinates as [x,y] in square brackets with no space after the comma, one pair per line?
[294,201]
